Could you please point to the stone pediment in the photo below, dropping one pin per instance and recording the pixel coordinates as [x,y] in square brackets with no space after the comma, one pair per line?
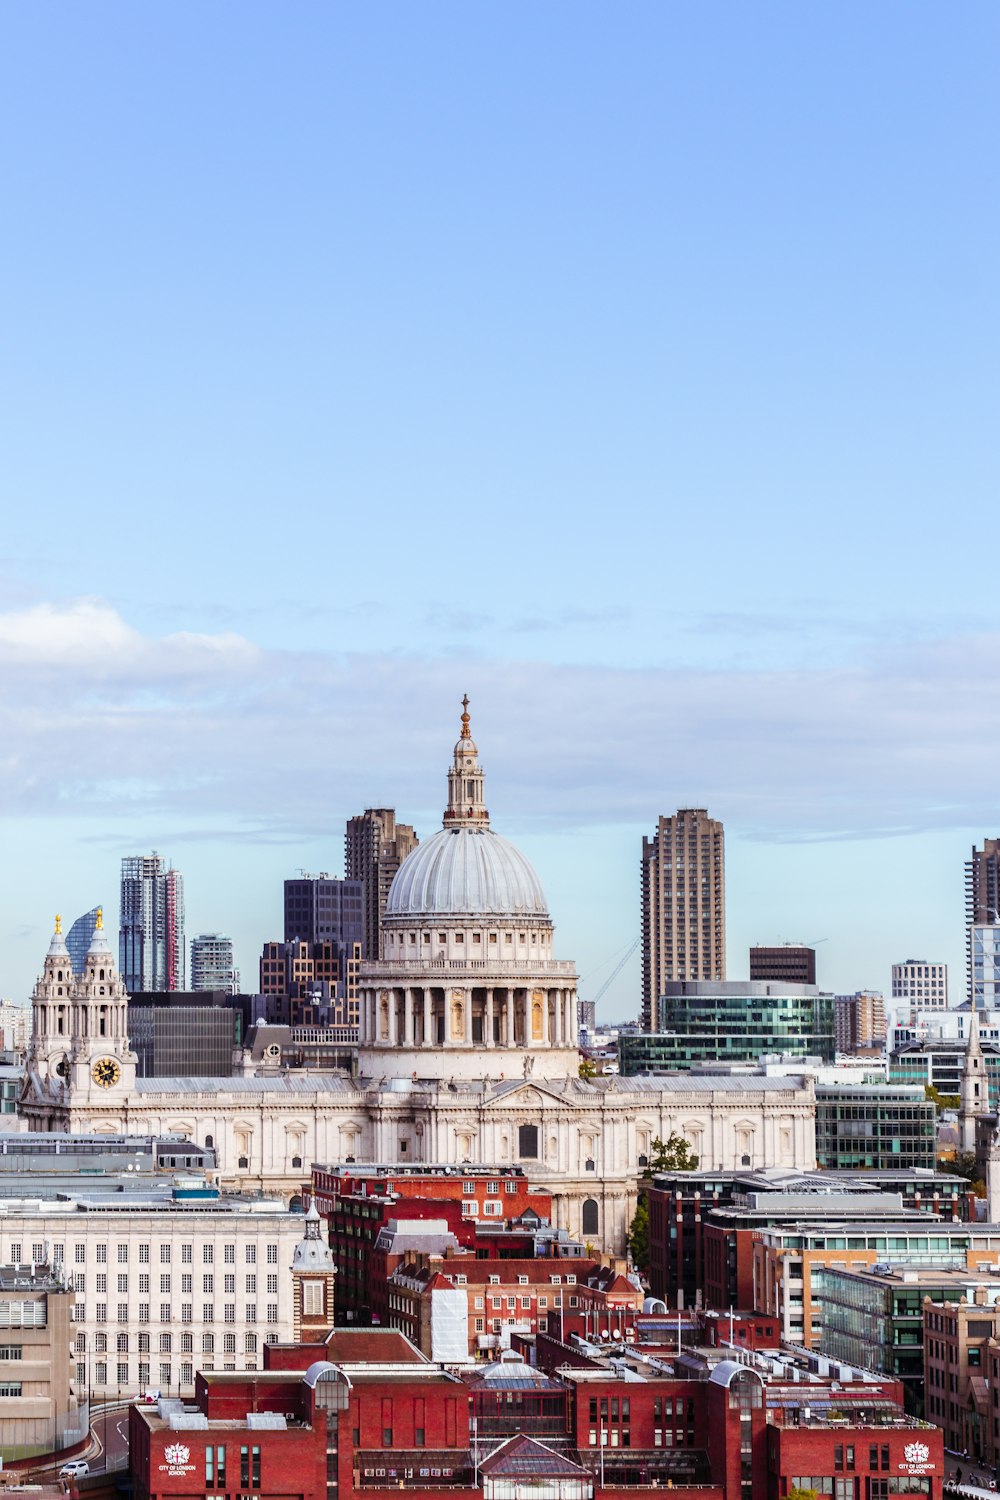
[526,1095]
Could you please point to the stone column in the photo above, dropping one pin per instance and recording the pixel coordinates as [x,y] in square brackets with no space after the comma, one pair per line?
[508,1009]
[488,1019]
[468,1018]
[428,1018]
[558,1016]
[393,1020]
[546,1035]
[408,1017]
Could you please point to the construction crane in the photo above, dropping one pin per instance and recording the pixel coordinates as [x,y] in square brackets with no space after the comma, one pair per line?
[617,969]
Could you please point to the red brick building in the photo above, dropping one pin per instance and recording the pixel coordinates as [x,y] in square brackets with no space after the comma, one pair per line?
[377,1419]
[504,1297]
[492,1213]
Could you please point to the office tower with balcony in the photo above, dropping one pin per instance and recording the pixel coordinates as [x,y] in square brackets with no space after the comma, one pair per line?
[683,905]
[78,939]
[375,846]
[982,896]
[212,965]
[151,926]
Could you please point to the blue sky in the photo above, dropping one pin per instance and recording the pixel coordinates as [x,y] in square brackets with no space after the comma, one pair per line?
[633,369]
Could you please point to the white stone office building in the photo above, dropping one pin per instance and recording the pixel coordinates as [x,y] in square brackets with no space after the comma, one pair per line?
[468,1053]
[161,1289]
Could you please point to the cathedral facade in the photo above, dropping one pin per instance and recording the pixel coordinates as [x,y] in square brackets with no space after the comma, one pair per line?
[467,1053]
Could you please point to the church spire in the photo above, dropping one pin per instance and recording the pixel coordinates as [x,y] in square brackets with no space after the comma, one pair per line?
[466,806]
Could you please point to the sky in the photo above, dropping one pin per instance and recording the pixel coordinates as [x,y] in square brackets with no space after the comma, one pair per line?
[632,369]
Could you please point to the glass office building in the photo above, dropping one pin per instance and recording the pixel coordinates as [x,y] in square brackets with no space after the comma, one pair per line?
[874,1127]
[732,1021]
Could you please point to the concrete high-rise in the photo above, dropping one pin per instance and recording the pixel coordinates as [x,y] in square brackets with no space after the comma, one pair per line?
[78,939]
[860,1021]
[212,966]
[375,846]
[982,895]
[683,905]
[922,984]
[151,925]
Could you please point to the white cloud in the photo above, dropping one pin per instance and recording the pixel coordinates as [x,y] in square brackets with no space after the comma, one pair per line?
[193,730]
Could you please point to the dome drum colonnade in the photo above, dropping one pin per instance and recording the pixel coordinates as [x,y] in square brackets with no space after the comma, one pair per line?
[426,1004]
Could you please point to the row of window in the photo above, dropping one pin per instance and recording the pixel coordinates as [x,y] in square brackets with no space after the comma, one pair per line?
[216,1464]
[184,1344]
[168,1311]
[39,1253]
[186,1286]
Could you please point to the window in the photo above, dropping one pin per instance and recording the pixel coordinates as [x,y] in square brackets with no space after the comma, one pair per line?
[510,1187]
[79,1254]
[312,1299]
[251,1255]
[207,1254]
[272,1312]
[123,1282]
[123,1255]
[272,1255]
[164,1285]
[164,1255]
[208,1312]
[143,1285]
[251,1312]
[527,1142]
[229,1284]
[10,1387]
[123,1312]
[229,1254]
[102,1281]
[468,1187]
[102,1254]
[10,1351]
[185,1286]
[186,1251]
[144,1255]
[229,1312]
[251,1285]
[272,1286]
[165,1343]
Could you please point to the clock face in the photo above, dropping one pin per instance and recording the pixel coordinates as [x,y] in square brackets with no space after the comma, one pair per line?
[106,1072]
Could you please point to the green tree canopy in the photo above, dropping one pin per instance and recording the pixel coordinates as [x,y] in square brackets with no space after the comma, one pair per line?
[672,1155]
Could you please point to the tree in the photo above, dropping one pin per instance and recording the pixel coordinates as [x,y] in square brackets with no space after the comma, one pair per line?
[799,1492]
[672,1155]
[942,1101]
[638,1235]
[963,1164]
[588,1068]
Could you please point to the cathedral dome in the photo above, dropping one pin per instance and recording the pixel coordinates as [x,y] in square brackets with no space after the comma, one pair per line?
[466,871]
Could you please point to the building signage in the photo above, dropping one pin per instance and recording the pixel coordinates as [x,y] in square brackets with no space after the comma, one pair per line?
[917,1456]
[177,1455]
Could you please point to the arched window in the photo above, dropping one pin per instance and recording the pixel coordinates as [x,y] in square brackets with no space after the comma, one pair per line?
[590,1222]
[296,1163]
[209,1140]
[208,1343]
